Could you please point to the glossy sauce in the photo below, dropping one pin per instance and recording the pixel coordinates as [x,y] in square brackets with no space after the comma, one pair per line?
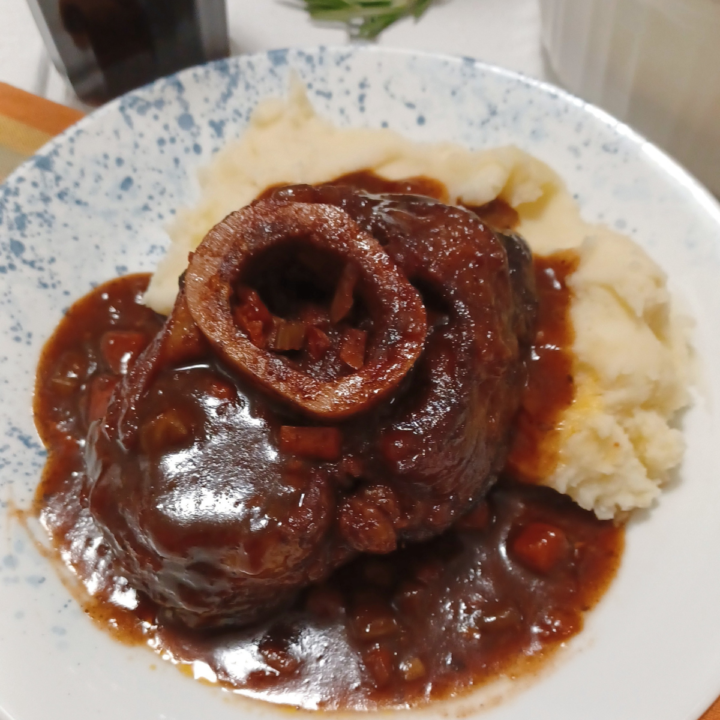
[533,454]
[509,582]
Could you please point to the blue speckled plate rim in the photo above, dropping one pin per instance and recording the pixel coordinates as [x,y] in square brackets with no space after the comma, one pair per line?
[658,156]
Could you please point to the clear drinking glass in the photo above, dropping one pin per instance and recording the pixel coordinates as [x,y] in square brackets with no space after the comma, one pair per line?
[107,47]
[652,63]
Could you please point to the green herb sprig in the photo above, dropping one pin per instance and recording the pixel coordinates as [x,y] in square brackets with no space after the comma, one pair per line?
[365,19]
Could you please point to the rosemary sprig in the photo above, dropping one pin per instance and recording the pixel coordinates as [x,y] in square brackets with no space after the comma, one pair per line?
[365,19]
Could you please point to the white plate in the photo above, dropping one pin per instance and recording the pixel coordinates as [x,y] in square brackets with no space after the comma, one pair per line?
[93,205]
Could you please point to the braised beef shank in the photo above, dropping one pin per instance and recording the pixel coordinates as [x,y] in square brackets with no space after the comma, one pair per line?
[338,375]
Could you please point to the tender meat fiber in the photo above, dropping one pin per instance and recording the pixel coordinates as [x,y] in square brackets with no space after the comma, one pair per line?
[339,375]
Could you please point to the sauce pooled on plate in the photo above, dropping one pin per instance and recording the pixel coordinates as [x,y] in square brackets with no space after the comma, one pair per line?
[456,595]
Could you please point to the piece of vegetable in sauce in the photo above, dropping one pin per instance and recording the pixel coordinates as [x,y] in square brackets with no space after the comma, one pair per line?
[318,443]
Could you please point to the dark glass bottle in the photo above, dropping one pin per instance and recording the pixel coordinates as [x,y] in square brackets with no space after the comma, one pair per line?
[107,47]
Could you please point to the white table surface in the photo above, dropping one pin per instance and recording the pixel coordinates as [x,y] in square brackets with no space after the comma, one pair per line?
[501,32]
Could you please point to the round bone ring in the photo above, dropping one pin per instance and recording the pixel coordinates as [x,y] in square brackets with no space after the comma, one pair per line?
[394,304]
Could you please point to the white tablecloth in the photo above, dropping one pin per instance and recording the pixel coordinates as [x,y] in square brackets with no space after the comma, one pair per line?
[501,32]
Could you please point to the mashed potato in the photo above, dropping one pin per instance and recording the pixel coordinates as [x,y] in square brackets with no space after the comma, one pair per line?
[632,359]
[631,371]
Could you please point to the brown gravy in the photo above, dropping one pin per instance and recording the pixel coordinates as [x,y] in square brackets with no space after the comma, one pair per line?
[534,449]
[511,581]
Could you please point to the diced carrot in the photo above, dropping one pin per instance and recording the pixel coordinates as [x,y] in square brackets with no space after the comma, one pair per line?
[101,390]
[288,335]
[120,348]
[252,316]
[255,306]
[318,343]
[378,661]
[254,329]
[318,443]
[373,621]
[540,546]
[343,300]
[352,350]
